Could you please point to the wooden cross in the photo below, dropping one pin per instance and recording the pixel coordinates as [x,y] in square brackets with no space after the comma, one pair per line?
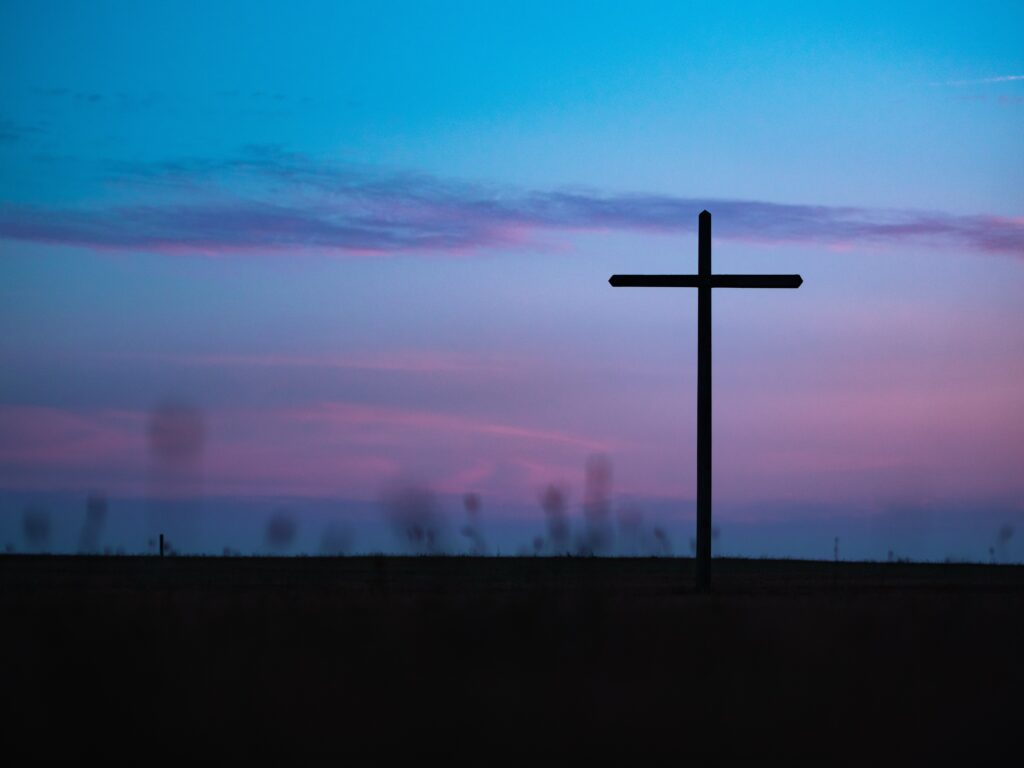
[704,281]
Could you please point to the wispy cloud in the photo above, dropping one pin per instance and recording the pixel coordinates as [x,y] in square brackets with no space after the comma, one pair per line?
[11,130]
[403,361]
[270,201]
[312,449]
[350,417]
[984,80]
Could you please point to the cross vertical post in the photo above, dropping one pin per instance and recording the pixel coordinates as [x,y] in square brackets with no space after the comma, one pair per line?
[704,404]
[704,281]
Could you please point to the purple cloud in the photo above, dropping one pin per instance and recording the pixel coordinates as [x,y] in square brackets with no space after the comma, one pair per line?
[269,200]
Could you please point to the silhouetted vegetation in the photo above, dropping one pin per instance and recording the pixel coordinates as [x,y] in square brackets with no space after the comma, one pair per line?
[92,528]
[281,530]
[35,527]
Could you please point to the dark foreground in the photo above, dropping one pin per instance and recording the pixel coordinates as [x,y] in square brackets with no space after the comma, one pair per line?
[479,659]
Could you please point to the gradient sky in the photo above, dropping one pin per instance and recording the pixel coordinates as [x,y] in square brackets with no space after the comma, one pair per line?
[369,245]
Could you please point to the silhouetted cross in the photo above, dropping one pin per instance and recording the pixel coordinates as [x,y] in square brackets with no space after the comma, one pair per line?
[704,281]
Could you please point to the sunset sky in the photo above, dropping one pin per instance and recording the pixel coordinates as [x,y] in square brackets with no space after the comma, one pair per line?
[299,254]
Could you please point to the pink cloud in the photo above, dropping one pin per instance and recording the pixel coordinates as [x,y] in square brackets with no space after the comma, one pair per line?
[348,416]
[324,449]
[43,436]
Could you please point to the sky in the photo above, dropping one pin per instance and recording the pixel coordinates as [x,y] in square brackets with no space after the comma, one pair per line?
[265,259]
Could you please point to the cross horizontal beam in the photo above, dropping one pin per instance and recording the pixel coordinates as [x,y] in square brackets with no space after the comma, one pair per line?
[706,281]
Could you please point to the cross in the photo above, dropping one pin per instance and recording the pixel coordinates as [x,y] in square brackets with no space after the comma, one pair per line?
[704,281]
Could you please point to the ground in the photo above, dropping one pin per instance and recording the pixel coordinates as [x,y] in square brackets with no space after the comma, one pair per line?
[482,658]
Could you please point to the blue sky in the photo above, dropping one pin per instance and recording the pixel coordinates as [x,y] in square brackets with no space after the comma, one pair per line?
[813,103]
[370,243]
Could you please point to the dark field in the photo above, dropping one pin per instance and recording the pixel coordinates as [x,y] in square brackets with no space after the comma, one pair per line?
[478,659]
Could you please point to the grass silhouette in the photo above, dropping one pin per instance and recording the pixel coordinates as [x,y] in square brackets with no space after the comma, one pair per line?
[463,656]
